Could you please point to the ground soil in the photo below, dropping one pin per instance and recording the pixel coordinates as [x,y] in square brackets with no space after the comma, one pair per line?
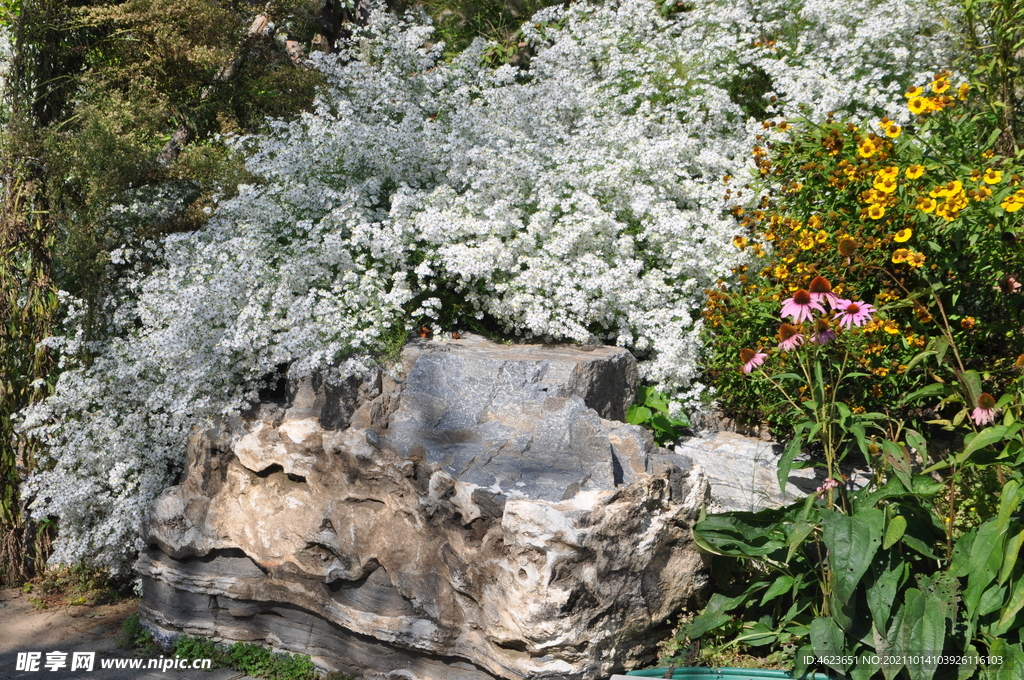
[51,622]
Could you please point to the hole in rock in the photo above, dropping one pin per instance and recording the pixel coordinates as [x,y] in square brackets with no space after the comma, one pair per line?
[269,470]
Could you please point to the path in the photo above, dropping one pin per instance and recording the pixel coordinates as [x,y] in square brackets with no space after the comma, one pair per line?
[26,629]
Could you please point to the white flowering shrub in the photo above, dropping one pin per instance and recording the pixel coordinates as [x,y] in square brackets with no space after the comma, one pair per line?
[579,199]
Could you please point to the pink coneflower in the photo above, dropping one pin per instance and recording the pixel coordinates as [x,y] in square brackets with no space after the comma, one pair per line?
[827,486]
[789,338]
[751,359]
[855,313]
[821,290]
[798,308]
[985,413]
[823,333]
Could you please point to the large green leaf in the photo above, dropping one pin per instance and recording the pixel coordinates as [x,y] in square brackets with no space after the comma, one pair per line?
[1010,553]
[828,640]
[894,532]
[852,541]
[987,437]
[922,633]
[881,593]
[1010,609]
[899,459]
[982,567]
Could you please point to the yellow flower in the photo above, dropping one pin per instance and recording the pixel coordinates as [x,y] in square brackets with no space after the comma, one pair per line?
[981,193]
[903,235]
[866,149]
[893,131]
[876,211]
[961,92]
[891,327]
[1011,204]
[915,259]
[892,172]
[900,255]
[739,241]
[915,171]
[814,221]
[821,236]
[917,105]
[914,92]
[992,176]
[806,241]
[940,85]
[781,271]
[885,185]
[925,204]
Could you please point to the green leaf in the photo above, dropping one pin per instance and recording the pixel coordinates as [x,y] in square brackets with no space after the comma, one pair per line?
[972,381]
[899,459]
[915,440]
[852,541]
[1010,552]
[882,592]
[933,390]
[638,415]
[713,616]
[781,586]
[921,356]
[975,442]
[827,640]
[797,534]
[981,571]
[925,633]
[786,461]
[894,532]
[1010,609]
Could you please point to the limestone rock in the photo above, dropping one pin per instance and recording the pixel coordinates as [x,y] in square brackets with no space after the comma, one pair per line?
[743,471]
[478,512]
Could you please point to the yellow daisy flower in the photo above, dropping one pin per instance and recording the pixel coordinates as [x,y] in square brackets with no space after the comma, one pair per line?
[914,92]
[866,149]
[940,85]
[915,259]
[1011,204]
[893,131]
[806,241]
[886,186]
[917,105]
[926,204]
[961,92]
[992,176]
[892,172]
[876,211]
[915,171]
[739,241]
[903,235]
[900,255]
[981,193]
[821,236]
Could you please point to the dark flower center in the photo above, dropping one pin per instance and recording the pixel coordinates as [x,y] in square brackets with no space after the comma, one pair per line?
[847,247]
[819,284]
[786,332]
[853,308]
[986,401]
[802,297]
[747,354]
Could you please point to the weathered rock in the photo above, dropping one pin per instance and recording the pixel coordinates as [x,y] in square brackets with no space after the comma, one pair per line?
[743,471]
[475,513]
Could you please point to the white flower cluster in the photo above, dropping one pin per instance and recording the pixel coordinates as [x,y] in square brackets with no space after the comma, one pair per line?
[581,198]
